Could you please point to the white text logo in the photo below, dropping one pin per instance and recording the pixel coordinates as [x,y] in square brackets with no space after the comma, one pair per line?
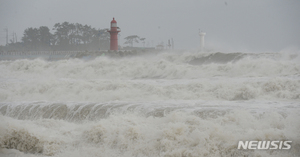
[264,144]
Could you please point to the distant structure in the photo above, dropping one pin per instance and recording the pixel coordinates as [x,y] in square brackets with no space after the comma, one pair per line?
[201,34]
[114,30]
[169,44]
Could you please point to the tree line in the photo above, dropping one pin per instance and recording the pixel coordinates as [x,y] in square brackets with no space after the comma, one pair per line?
[66,36]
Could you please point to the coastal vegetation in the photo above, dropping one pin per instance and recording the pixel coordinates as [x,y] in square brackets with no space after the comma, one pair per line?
[63,36]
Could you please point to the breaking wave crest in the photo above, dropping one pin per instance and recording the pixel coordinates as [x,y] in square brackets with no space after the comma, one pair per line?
[104,90]
[177,133]
[162,104]
[234,76]
[163,66]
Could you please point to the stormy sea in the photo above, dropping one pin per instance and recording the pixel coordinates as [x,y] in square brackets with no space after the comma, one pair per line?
[168,104]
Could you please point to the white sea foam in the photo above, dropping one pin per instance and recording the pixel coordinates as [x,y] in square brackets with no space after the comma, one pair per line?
[168,66]
[177,133]
[149,90]
[160,77]
[168,104]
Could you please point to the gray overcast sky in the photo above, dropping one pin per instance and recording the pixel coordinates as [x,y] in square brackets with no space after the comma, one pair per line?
[258,25]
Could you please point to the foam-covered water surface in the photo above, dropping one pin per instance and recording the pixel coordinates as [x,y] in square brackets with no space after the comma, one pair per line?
[163,104]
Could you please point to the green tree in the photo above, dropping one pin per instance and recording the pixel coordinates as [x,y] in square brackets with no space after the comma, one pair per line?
[31,38]
[78,33]
[131,39]
[103,34]
[64,33]
[87,34]
[44,36]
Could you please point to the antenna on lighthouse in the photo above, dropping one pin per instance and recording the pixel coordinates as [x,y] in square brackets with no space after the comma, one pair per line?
[201,34]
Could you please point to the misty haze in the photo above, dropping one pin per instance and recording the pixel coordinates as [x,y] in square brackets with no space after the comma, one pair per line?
[149,78]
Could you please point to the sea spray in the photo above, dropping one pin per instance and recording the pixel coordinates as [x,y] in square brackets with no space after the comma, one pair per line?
[160,104]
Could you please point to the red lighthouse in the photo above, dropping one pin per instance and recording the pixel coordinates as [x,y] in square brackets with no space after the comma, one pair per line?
[114,30]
